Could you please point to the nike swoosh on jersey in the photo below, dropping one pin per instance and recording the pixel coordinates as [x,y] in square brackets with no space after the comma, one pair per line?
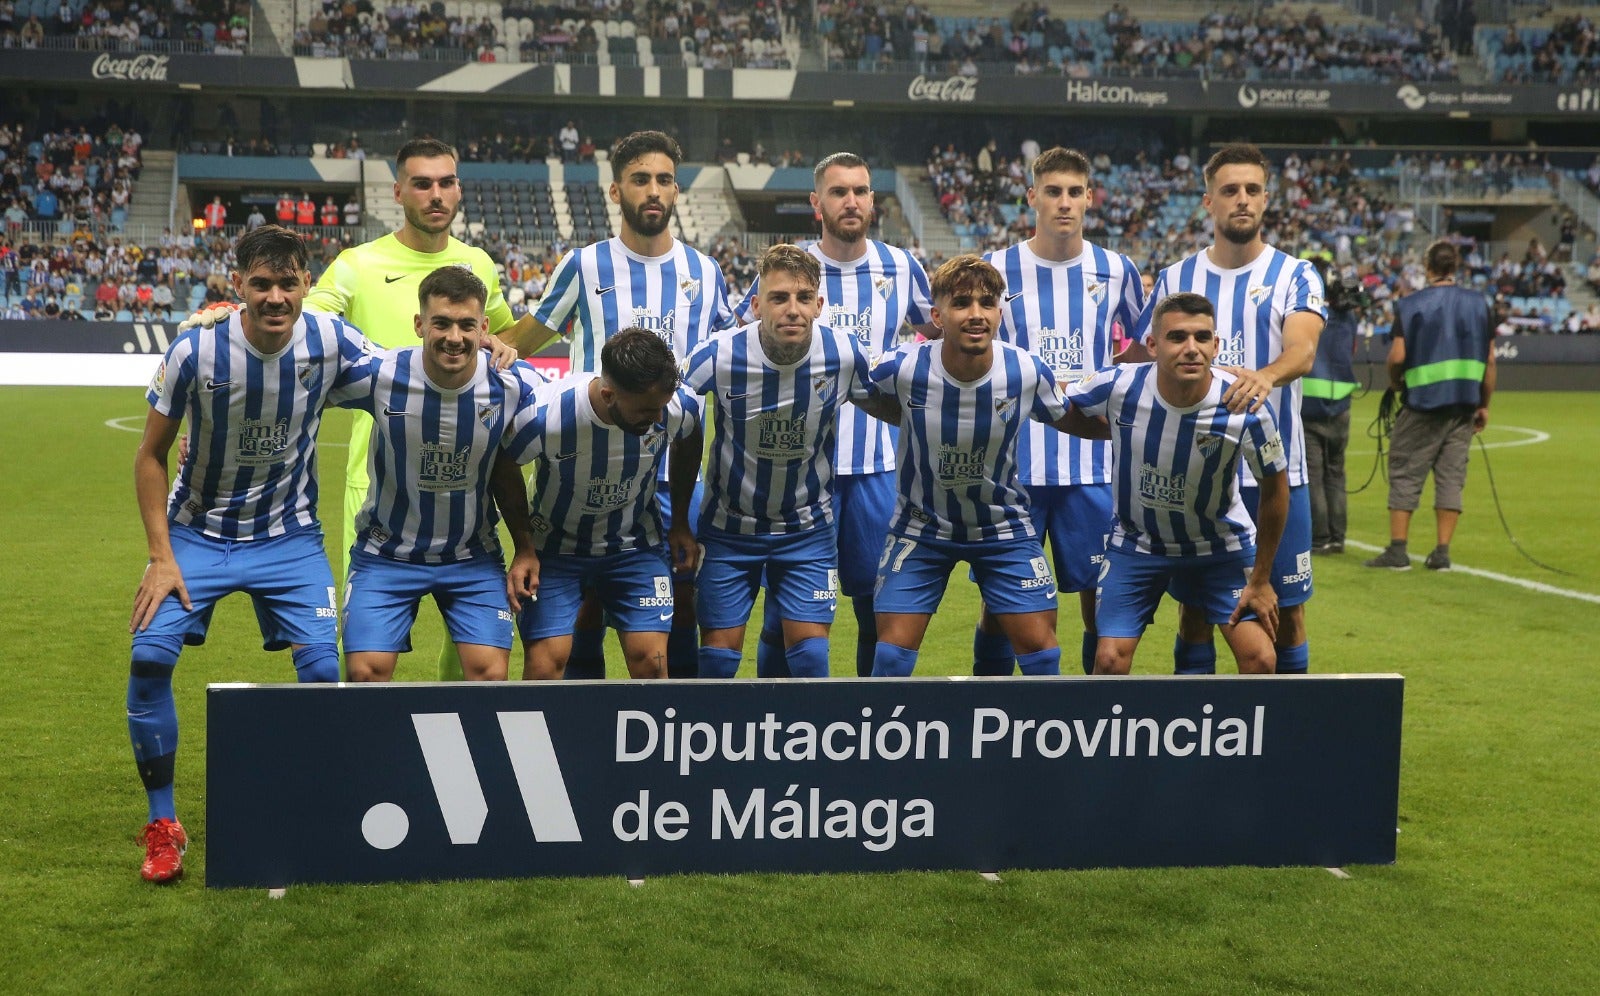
[566,456]
[390,280]
[738,397]
[1013,297]
[213,385]
[395,414]
[604,290]
[665,616]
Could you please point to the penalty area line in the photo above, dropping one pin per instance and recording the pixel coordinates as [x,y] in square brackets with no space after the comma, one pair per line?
[1478,572]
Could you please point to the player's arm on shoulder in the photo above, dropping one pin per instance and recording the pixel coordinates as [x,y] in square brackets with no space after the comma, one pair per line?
[882,400]
[1301,331]
[1079,423]
[150,482]
[527,335]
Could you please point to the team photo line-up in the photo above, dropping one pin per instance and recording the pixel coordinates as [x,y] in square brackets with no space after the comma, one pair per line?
[847,455]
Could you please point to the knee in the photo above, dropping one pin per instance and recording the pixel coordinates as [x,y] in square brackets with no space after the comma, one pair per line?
[1109,660]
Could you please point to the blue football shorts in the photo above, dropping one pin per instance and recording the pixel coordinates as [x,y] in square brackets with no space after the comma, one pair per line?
[801,573]
[381,598]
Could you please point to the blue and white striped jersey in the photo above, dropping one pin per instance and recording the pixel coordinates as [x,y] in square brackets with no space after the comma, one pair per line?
[431,454]
[958,441]
[870,298]
[1064,313]
[606,287]
[595,484]
[1175,468]
[1251,304]
[253,419]
[771,470]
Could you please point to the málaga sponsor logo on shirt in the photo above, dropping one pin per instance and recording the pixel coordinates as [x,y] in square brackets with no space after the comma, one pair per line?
[139,68]
[951,90]
[1061,350]
[780,436]
[959,468]
[1158,489]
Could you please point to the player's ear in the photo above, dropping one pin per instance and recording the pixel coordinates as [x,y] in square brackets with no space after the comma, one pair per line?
[416,322]
[936,318]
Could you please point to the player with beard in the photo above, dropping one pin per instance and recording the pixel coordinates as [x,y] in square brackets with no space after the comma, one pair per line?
[641,278]
[374,285]
[869,290]
[1270,312]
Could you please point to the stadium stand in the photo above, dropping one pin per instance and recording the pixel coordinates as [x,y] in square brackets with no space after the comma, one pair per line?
[215,27]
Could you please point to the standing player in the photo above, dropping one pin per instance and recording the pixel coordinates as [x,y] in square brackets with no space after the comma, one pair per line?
[642,278]
[427,527]
[1180,524]
[962,401]
[242,514]
[1270,314]
[869,290]
[1065,297]
[778,386]
[600,440]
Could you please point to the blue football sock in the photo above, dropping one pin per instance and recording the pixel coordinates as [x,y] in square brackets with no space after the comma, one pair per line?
[1041,661]
[866,635]
[991,654]
[1193,658]
[771,657]
[153,720]
[717,662]
[809,658]
[587,661]
[1091,643]
[683,652]
[1294,660]
[893,662]
[316,662]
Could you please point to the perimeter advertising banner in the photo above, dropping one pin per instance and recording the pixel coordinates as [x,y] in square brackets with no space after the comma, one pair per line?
[426,781]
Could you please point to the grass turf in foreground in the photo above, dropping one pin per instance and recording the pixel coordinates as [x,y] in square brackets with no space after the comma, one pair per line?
[1495,889]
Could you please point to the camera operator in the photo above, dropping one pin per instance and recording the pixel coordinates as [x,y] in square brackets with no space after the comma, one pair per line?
[1325,409]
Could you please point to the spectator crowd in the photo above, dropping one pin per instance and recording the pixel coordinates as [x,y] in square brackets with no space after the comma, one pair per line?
[220,27]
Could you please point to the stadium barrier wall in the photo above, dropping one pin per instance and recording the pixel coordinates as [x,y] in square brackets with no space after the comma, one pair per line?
[1053,93]
[429,781]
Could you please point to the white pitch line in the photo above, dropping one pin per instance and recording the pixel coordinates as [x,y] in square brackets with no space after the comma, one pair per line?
[1538,586]
[116,423]
[1533,437]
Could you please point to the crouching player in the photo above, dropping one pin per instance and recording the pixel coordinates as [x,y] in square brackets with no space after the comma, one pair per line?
[598,441]
[1180,524]
[962,401]
[242,514]
[777,386]
[440,413]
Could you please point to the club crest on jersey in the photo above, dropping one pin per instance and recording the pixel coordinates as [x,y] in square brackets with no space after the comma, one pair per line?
[822,387]
[605,495]
[307,375]
[780,436]
[1061,350]
[1006,409]
[689,287]
[1207,443]
[1096,289]
[651,441]
[884,286]
[262,441]
[487,413]
[1161,490]
[444,468]
[1258,293]
[959,468]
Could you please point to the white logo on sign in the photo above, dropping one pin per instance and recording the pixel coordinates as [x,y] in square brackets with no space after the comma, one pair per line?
[955,89]
[1411,97]
[460,794]
[141,67]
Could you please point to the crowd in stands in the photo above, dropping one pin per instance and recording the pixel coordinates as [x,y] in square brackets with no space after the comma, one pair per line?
[1262,44]
[221,27]
[67,179]
[361,29]
[1568,52]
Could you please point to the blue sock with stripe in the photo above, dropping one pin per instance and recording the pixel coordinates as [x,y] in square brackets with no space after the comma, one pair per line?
[1193,658]
[316,662]
[587,662]
[809,658]
[992,655]
[1294,660]
[718,662]
[891,661]
[153,720]
[1046,661]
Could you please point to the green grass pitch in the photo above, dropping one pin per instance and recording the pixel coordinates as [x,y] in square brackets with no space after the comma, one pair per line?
[1497,887]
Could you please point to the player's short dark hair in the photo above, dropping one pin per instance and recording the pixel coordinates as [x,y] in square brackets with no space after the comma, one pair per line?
[786,258]
[424,148]
[630,148]
[1236,154]
[969,273]
[272,246]
[847,160]
[1442,259]
[453,283]
[1059,160]
[1183,302]
[637,360]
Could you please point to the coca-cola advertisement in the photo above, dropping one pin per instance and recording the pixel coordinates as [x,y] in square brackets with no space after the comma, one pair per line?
[137,68]
[954,89]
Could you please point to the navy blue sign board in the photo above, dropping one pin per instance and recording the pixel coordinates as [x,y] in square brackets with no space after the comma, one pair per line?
[382,783]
